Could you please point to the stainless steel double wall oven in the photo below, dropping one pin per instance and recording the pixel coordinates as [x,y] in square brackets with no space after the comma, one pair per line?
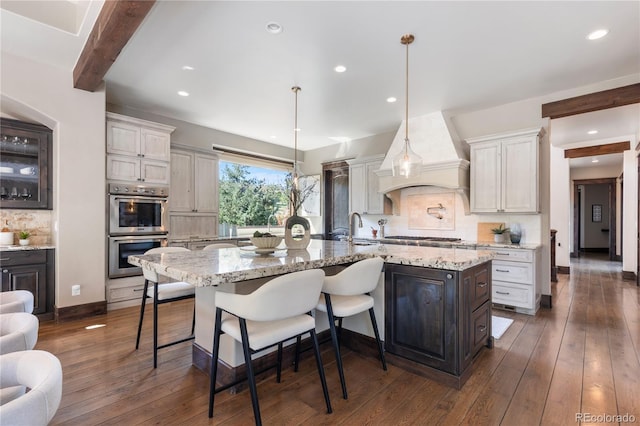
[137,222]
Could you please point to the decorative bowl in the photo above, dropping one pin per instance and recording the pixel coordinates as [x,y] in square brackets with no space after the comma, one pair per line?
[266,242]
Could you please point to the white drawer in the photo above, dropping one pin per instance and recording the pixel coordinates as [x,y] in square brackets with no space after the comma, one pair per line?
[512,272]
[515,255]
[125,293]
[512,294]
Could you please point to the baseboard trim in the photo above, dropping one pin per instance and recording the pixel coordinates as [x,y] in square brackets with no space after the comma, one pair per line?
[69,313]
[564,270]
[595,249]
[573,254]
[545,301]
[617,258]
[628,275]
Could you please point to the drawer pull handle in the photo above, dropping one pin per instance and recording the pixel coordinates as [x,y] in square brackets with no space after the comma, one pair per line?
[502,254]
[482,285]
[503,292]
[138,289]
[5,258]
[502,270]
[482,328]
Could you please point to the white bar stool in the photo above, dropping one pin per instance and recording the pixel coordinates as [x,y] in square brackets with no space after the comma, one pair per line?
[18,332]
[277,311]
[346,294]
[163,293]
[16,301]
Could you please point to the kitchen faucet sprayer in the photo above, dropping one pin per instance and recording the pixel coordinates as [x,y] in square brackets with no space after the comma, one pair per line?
[351,215]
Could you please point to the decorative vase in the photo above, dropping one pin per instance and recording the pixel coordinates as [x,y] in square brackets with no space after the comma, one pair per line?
[24,242]
[297,232]
[498,238]
[515,233]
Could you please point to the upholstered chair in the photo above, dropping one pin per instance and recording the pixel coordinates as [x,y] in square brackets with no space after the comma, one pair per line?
[16,301]
[18,332]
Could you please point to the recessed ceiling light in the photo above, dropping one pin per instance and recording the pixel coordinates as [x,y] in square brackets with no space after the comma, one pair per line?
[273,27]
[595,35]
[187,68]
[391,99]
[183,93]
[340,68]
[592,132]
[595,160]
[273,136]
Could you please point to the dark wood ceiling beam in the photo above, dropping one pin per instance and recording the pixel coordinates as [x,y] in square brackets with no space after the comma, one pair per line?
[117,22]
[593,102]
[589,151]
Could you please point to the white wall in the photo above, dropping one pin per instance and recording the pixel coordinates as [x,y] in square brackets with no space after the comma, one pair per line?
[40,93]
[592,235]
[630,211]
[560,214]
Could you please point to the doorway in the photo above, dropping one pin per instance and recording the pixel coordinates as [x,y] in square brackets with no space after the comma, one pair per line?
[594,217]
[335,177]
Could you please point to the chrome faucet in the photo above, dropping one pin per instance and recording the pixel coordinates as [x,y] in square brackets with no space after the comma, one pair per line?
[269,221]
[351,215]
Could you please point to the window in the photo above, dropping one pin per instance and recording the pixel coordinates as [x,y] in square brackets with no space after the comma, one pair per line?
[253,195]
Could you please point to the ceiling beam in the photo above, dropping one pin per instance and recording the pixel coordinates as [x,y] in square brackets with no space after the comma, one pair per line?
[117,22]
[589,151]
[612,98]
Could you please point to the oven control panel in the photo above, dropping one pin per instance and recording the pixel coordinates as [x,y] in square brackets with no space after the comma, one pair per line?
[149,191]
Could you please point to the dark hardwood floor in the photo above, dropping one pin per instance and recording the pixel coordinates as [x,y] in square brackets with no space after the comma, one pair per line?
[582,356]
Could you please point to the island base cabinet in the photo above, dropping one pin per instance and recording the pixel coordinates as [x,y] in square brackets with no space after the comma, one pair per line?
[31,270]
[438,318]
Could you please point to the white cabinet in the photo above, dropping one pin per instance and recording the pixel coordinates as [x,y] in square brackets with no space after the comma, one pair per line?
[194,182]
[504,172]
[137,150]
[513,280]
[363,187]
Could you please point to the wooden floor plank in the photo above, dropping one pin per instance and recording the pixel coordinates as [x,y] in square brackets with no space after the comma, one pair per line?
[582,355]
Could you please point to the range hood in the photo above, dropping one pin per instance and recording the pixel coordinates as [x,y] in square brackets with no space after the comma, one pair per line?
[444,162]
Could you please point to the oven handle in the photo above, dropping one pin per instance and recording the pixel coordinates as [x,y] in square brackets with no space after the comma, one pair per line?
[134,198]
[138,237]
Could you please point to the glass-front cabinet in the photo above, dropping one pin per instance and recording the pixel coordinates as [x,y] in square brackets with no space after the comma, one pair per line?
[25,165]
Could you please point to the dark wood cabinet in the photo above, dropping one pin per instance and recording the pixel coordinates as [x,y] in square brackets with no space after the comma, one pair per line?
[30,270]
[25,165]
[438,318]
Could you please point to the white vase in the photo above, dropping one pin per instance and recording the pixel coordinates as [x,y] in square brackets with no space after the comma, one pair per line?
[298,240]
[498,238]
[24,242]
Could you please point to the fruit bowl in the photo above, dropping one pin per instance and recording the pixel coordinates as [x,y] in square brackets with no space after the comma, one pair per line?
[266,242]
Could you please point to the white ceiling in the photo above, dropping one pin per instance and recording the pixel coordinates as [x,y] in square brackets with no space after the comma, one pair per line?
[467,56]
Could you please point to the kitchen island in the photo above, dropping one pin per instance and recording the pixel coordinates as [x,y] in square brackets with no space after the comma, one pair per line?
[241,270]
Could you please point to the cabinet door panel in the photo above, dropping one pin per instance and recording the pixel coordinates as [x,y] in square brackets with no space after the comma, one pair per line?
[206,177]
[123,168]
[123,139]
[154,145]
[31,278]
[420,309]
[181,195]
[519,175]
[374,200]
[485,178]
[155,172]
[193,226]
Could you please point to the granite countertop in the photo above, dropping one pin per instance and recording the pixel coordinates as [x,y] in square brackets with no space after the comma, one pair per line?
[472,245]
[29,247]
[215,267]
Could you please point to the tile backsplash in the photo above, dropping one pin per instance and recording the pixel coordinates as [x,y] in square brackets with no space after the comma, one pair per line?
[37,222]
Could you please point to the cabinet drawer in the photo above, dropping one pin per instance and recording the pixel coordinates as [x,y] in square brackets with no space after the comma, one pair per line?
[514,255]
[480,288]
[512,294]
[512,272]
[481,326]
[24,257]
[125,293]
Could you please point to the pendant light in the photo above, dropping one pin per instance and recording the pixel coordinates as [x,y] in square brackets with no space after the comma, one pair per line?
[296,172]
[406,163]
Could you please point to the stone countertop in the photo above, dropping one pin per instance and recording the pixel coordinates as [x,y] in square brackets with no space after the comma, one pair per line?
[200,239]
[215,267]
[472,245]
[23,248]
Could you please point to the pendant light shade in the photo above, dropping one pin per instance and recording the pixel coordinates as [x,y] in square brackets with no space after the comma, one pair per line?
[406,163]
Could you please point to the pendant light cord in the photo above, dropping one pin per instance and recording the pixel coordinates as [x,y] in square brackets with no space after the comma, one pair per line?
[295,89]
[406,111]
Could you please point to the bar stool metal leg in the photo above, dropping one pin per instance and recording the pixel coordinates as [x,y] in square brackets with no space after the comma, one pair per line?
[375,330]
[316,351]
[336,343]
[142,306]
[215,353]
[250,373]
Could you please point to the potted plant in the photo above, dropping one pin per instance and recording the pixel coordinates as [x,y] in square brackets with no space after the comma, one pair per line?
[498,233]
[24,237]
